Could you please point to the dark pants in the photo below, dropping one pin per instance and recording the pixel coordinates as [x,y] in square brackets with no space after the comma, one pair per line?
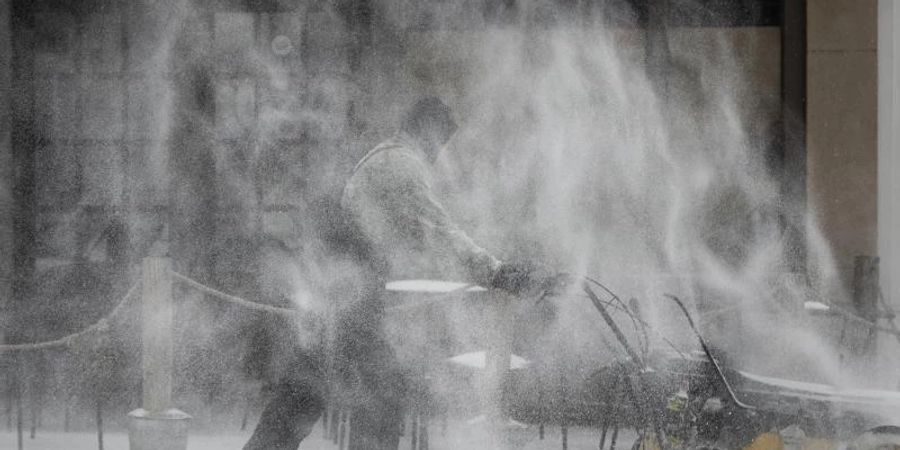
[374,385]
[297,401]
[370,385]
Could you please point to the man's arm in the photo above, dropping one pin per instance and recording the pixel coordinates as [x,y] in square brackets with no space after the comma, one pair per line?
[447,238]
[416,207]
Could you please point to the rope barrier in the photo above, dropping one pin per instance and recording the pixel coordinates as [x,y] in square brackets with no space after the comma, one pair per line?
[103,323]
[231,298]
[64,341]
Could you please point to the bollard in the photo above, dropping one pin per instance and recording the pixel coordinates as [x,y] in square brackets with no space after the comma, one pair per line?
[157,426]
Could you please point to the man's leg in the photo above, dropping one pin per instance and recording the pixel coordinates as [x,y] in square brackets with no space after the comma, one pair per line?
[375,423]
[377,402]
[296,403]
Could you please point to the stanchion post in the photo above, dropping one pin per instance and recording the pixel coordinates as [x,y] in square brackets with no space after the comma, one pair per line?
[498,359]
[157,319]
[157,426]
[18,374]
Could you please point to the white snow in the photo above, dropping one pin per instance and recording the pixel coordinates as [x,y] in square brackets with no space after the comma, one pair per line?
[431,286]
[458,436]
[477,360]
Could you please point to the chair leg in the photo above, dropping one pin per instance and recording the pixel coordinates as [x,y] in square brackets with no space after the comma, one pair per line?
[342,432]
[414,427]
[423,433]
[603,431]
[335,424]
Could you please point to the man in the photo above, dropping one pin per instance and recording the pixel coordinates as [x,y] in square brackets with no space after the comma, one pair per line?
[390,200]
[389,196]
[282,351]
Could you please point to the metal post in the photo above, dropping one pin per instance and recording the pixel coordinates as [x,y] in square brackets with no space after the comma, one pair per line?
[414,427]
[157,425]
[541,410]
[423,432]
[563,396]
[10,398]
[604,428]
[33,431]
[18,369]
[497,359]
[99,424]
[615,435]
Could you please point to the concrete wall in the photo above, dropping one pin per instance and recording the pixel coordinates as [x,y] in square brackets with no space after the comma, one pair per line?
[842,156]
[889,157]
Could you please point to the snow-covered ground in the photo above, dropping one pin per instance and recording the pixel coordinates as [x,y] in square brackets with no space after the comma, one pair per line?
[457,437]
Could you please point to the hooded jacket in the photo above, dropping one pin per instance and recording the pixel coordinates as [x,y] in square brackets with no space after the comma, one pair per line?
[390,198]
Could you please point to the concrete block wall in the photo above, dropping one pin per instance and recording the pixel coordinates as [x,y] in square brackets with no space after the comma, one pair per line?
[842,151]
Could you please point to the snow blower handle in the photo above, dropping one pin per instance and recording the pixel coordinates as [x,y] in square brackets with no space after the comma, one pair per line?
[716,366]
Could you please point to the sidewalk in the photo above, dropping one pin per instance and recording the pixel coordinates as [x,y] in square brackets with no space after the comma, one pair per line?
[458,437]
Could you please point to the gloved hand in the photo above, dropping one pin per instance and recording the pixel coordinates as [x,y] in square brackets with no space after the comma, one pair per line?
[514,278]
[527,279]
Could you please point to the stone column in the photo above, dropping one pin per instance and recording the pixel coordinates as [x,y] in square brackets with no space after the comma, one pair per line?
[888,164]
